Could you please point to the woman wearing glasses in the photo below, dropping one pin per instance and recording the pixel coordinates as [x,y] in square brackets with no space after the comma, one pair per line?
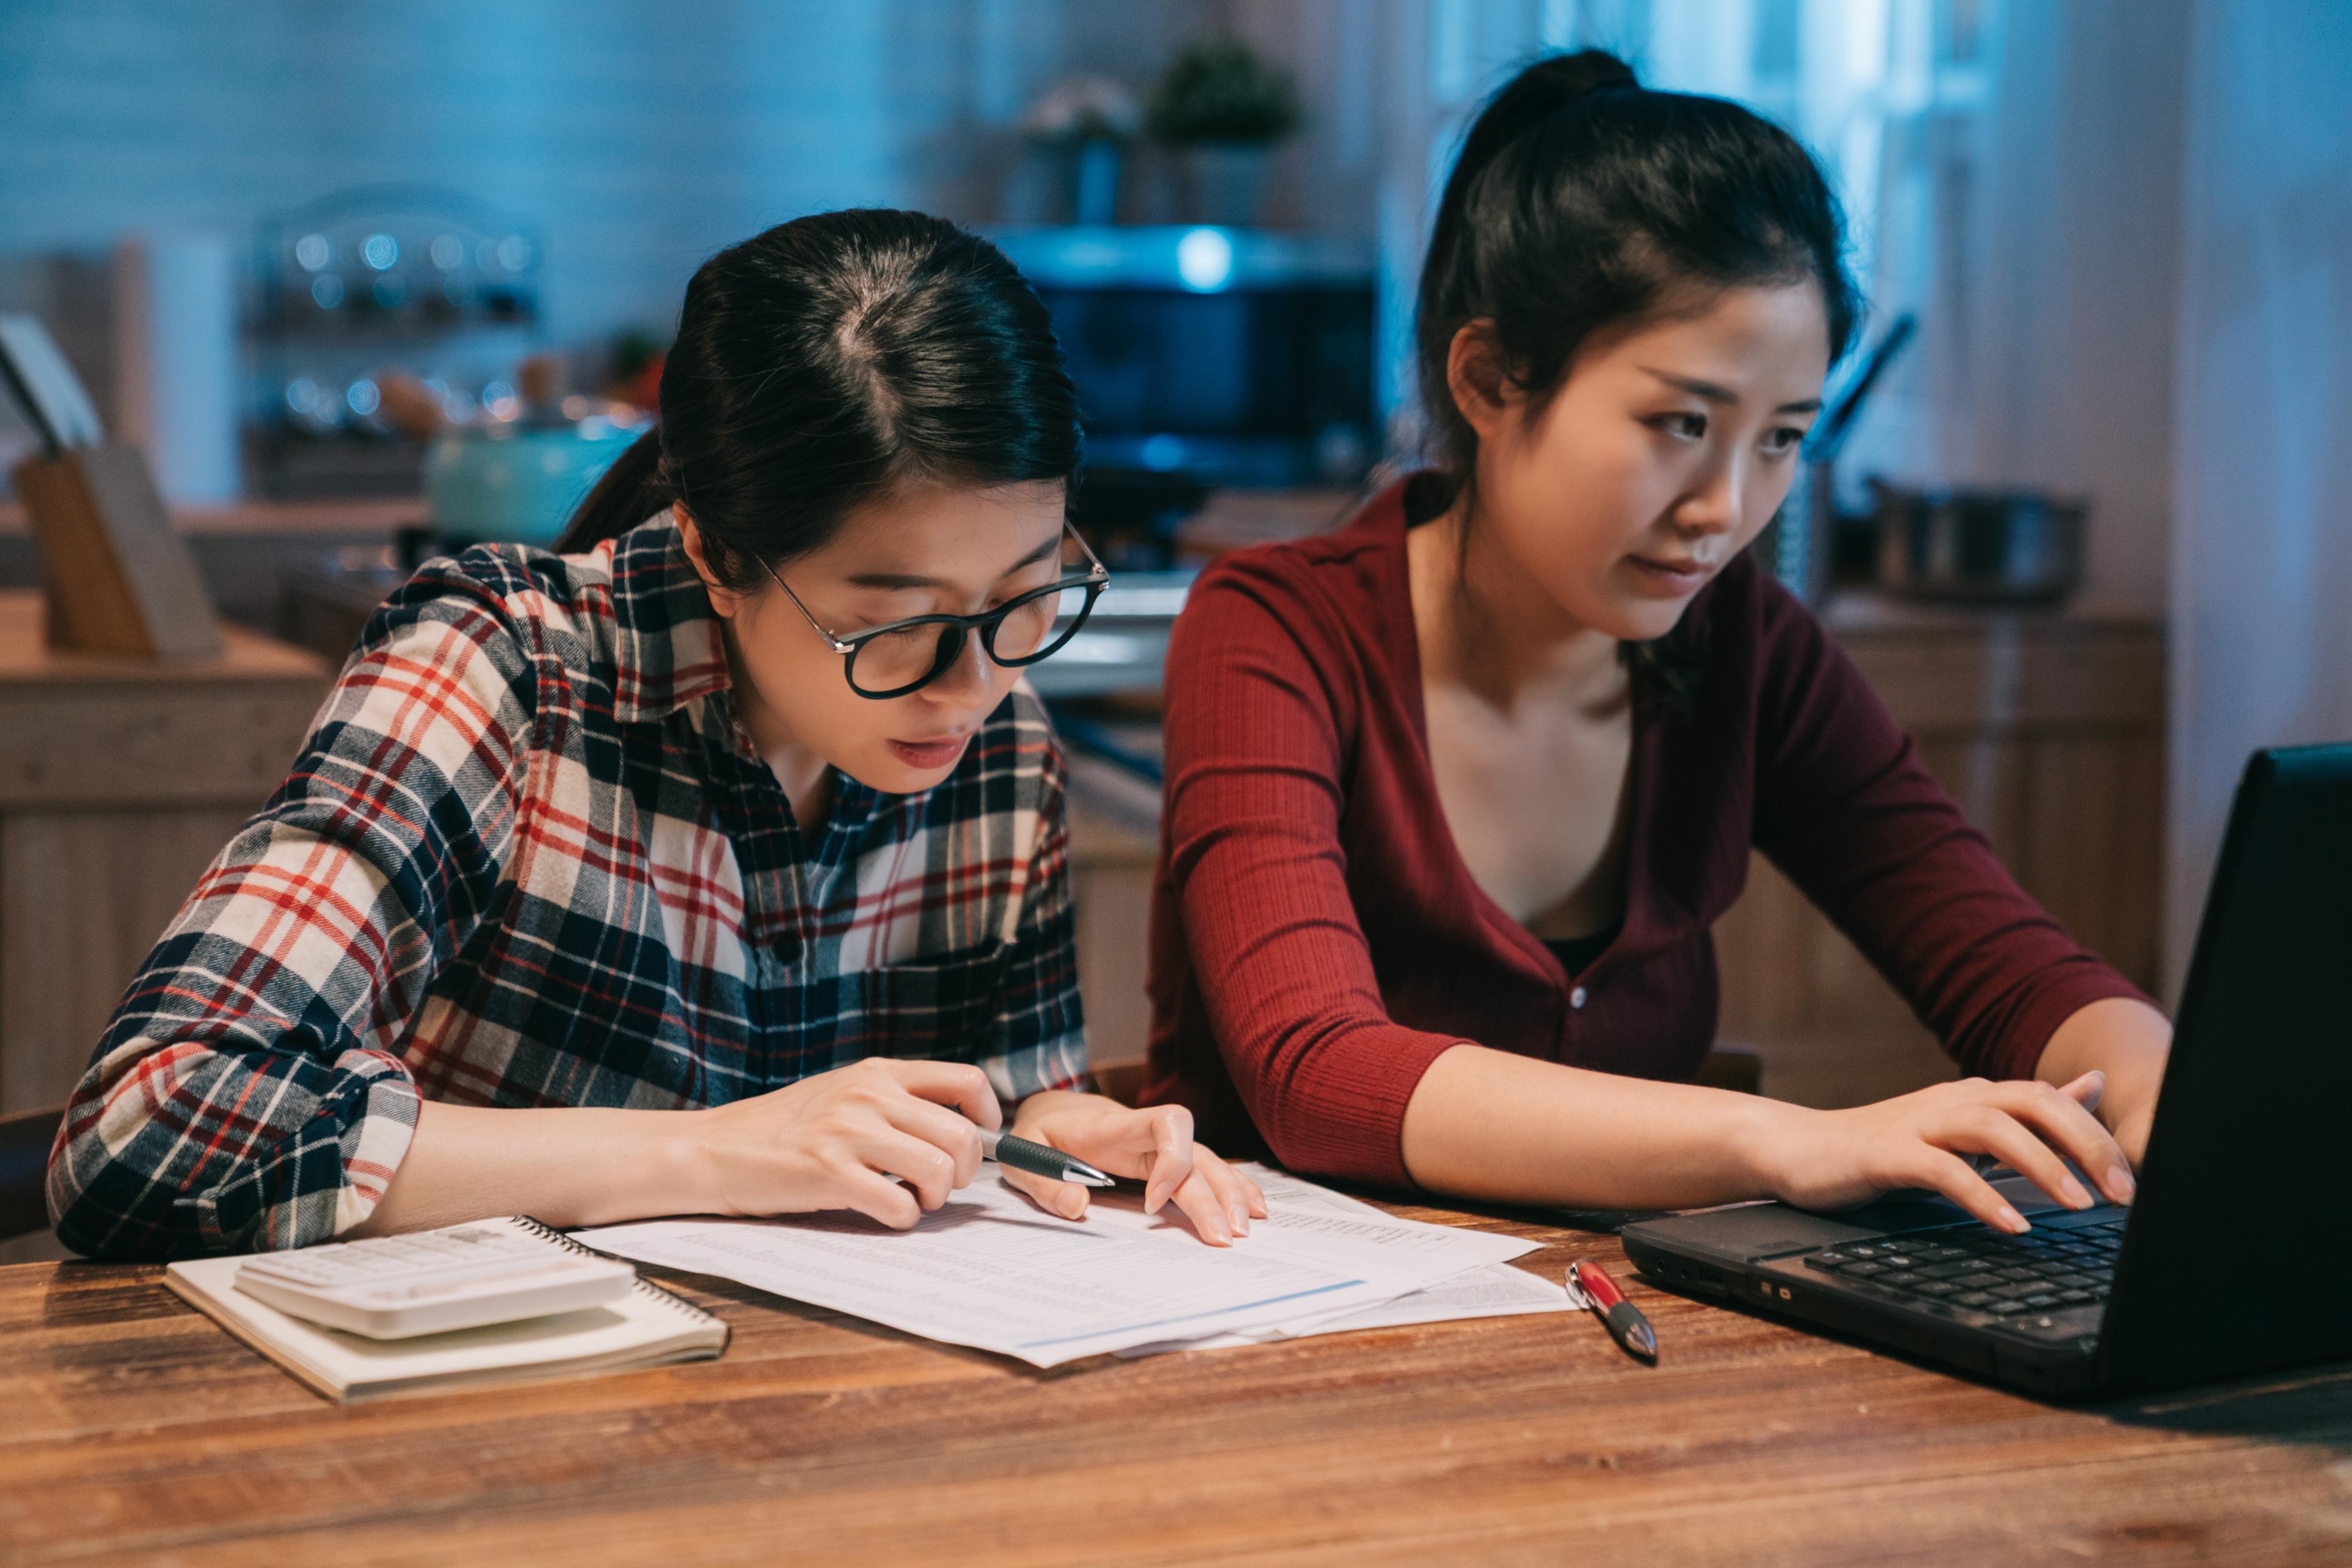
[714,864]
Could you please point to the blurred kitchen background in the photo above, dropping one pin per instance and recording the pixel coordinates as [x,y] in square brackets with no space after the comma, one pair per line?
[366,281]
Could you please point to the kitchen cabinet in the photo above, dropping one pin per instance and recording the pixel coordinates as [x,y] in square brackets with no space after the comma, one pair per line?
[1114,842]
[119,780]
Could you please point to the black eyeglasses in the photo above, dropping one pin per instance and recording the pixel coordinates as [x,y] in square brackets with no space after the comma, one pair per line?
[899,656]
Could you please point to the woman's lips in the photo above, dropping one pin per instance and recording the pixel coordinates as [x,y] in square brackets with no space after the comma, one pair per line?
[1670,578]
[925,755]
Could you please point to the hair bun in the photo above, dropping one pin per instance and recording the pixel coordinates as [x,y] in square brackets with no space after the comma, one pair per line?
[1562,79]
[1554,83]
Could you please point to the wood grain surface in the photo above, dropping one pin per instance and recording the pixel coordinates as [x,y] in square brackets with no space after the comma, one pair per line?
[135,1431]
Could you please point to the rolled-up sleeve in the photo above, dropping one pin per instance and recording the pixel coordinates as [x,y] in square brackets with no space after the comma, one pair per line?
[248,1092]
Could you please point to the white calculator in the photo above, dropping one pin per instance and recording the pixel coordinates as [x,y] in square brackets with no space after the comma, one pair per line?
[462,1276]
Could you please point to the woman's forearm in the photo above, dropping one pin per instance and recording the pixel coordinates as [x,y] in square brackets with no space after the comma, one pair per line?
[2128,1041]
[564,1166]
[1502,1127]
[2122,1036]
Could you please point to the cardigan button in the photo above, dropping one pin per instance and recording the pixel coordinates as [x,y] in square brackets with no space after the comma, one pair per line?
[1576,998]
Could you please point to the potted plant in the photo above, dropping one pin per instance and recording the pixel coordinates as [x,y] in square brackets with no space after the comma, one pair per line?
[1085,123]
[1221,109]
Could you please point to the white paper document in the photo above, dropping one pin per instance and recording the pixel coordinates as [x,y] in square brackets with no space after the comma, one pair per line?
[1497,1291]
[991,1270]
[1494,1290]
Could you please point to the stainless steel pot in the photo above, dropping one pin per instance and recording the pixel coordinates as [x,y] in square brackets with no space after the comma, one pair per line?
[1985,546]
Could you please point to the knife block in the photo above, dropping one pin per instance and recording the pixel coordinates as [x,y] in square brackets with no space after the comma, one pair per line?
[116,577]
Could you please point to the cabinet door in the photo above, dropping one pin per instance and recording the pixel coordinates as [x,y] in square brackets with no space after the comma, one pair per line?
[83,896]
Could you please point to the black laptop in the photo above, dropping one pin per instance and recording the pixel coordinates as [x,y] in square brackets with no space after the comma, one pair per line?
[2236,1254]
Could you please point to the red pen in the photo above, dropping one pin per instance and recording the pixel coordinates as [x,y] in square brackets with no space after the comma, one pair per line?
[1626,1324]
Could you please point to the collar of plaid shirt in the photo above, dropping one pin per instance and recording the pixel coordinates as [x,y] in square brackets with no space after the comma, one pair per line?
[667,648]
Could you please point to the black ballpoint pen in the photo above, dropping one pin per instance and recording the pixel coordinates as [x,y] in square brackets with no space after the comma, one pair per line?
[1038,1160]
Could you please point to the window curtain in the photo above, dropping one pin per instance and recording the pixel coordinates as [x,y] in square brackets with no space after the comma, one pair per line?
[2261,556]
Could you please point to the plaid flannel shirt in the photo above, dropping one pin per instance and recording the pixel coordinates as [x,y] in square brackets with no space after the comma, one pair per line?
[527,856]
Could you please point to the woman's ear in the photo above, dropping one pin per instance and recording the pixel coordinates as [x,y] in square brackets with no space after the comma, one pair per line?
[723,599]
[1479,380]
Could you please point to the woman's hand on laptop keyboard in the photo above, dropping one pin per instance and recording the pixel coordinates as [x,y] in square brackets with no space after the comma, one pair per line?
[1836,1159]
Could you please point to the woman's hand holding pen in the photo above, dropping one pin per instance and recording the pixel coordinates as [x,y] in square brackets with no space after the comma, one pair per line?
[834,1140]
[1153,1145]
[892,1139]
[1835,1159]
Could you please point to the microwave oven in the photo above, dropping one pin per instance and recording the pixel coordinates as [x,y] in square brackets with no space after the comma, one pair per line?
[1213,356]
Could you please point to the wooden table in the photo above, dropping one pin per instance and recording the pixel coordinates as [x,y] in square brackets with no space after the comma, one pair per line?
[135,1431]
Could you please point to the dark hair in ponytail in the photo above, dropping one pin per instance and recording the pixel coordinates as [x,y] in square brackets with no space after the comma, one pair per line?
[822,363]
[1581,200]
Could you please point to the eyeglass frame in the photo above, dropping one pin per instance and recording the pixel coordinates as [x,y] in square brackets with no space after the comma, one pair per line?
[983,626]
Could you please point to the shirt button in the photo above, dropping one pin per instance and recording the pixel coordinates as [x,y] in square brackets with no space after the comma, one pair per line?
[1576,998]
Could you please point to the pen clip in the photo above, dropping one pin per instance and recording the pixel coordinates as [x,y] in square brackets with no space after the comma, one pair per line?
[1578,1297]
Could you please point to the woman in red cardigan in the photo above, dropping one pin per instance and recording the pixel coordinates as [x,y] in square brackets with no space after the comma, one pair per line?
[1456,795]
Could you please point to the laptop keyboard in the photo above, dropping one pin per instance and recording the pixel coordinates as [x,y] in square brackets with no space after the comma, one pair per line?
[1984,1270]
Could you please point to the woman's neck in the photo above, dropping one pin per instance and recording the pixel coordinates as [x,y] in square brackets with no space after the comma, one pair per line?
[1488,626]
[805,777]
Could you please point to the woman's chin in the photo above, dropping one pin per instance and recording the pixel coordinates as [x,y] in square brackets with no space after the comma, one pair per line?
[1641,620]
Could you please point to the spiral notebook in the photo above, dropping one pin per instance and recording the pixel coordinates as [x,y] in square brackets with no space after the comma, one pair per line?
[648,1327]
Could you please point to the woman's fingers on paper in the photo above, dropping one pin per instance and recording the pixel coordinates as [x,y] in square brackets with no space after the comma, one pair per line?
[1066,1199]
[1237,1195]
[1200,1203]
[876,1196]
[929,1171]
[937,1125]
[1172,1155]
[1153,1146]
[1253,1195]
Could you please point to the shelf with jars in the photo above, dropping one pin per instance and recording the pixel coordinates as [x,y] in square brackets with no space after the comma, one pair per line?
[430,284]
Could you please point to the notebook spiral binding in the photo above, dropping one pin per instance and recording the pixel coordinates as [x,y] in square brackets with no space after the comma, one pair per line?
[644,1286]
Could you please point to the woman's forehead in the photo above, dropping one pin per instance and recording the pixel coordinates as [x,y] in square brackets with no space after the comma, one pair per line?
[944,535]
[1758,340]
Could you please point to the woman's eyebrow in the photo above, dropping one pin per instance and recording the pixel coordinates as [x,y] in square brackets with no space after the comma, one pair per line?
[1050,547]
[899,582]
[891,581]
[1724,394]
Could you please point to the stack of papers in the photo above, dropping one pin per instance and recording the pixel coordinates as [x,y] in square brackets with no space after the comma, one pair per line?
[991,1270]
